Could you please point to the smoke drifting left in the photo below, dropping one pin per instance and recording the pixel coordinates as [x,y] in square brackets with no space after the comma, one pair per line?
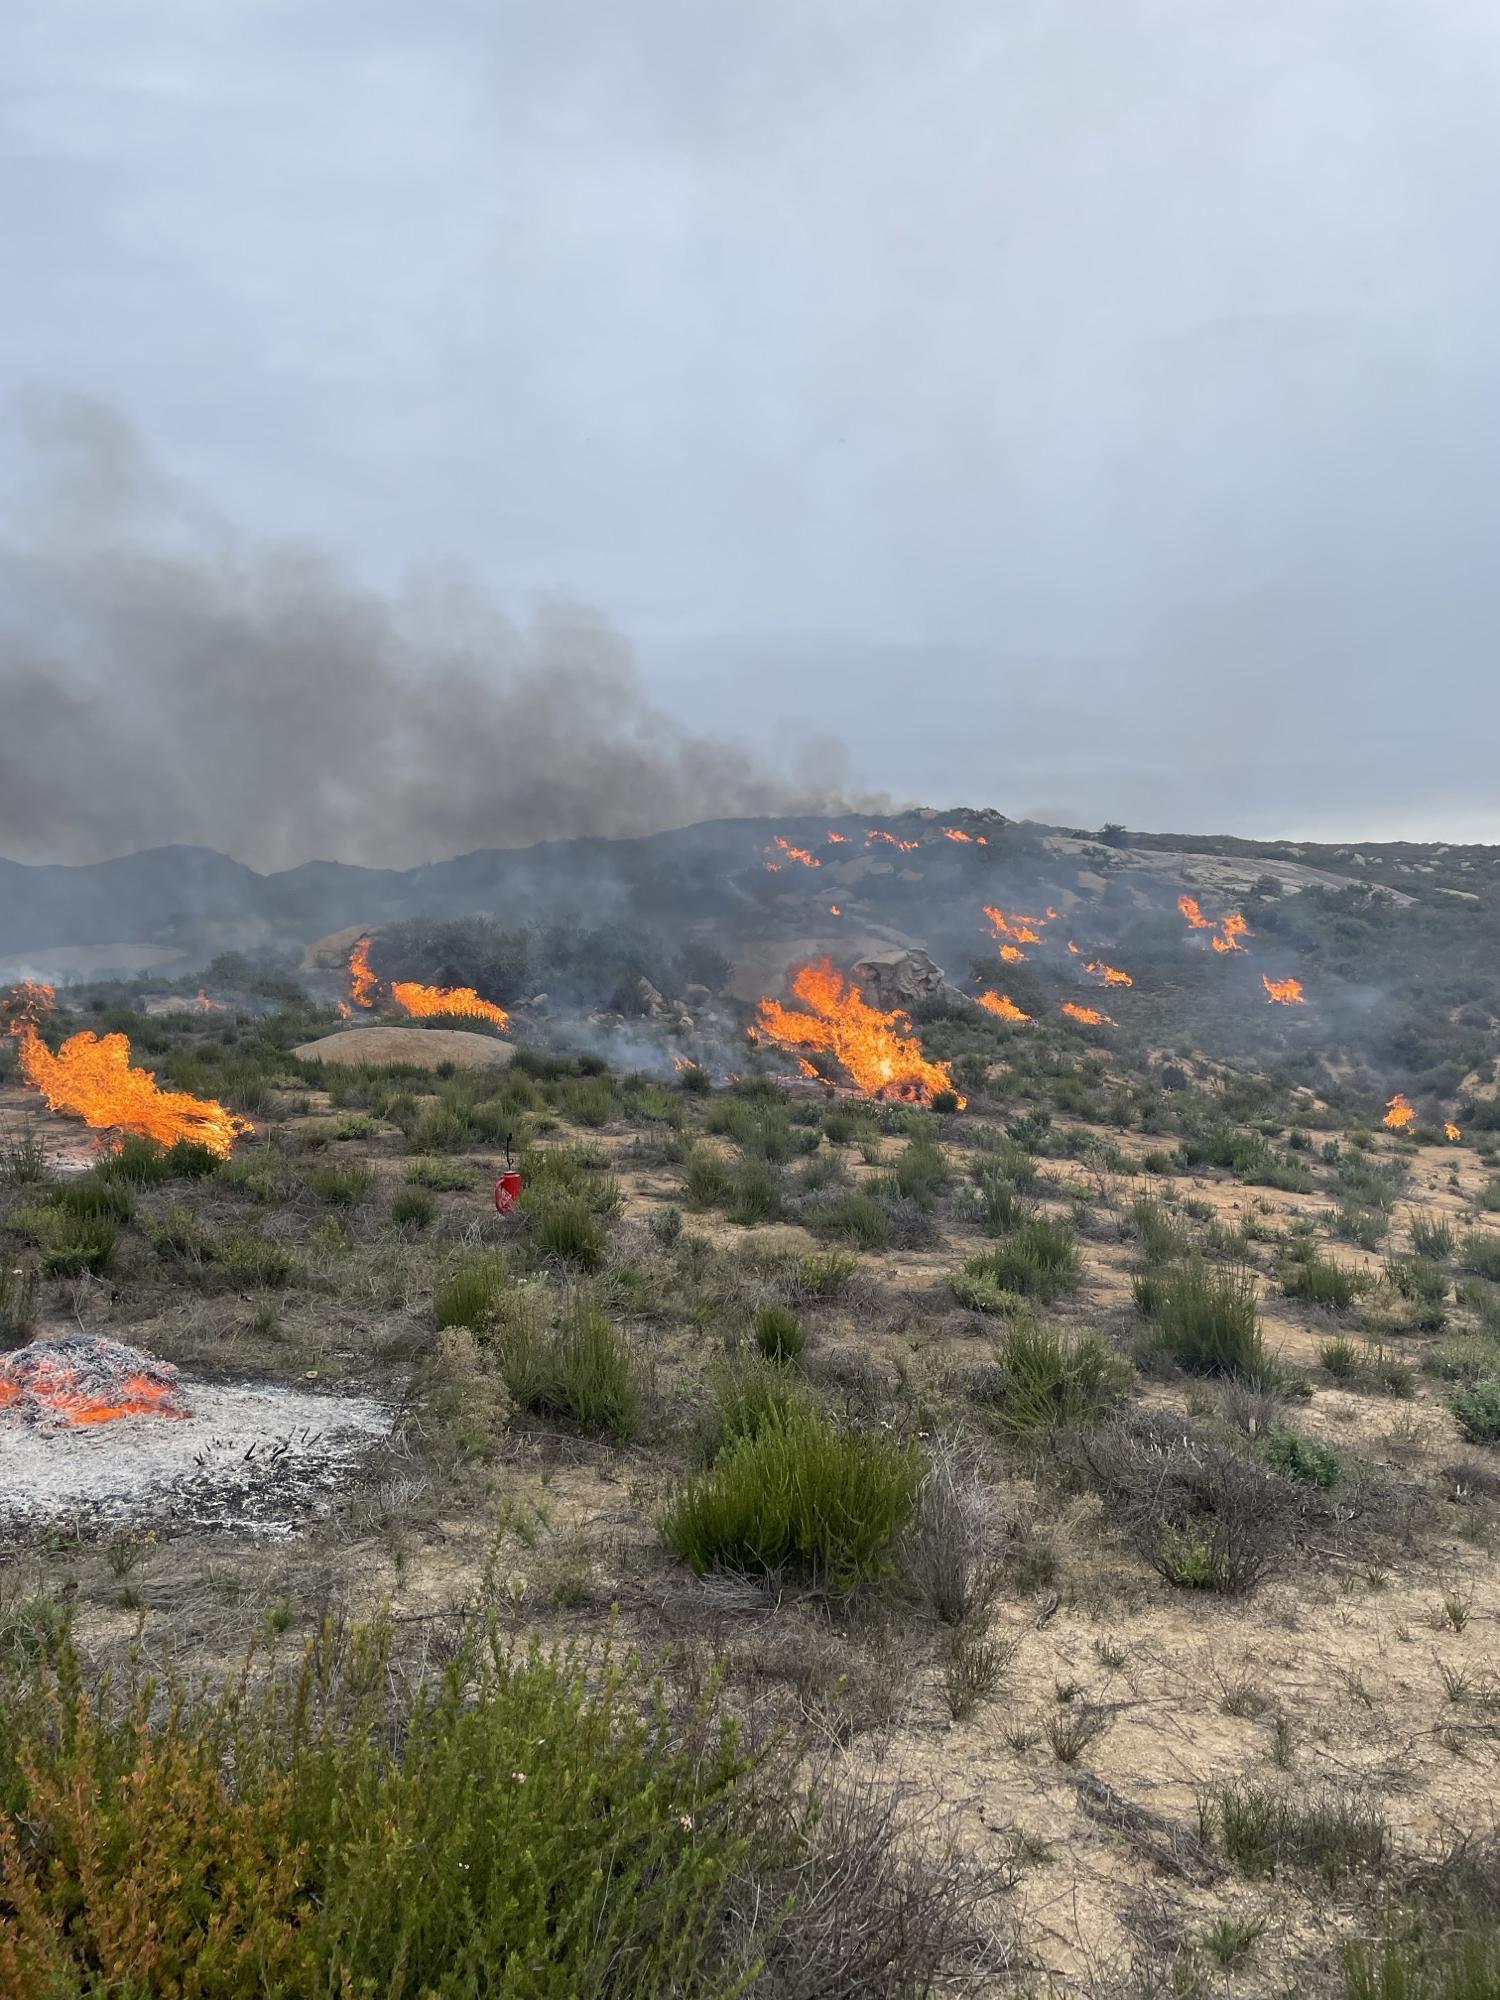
[167,679]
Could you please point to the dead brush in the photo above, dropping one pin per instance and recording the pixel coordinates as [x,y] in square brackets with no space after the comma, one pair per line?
[1074,1728]
[951,1553]
[973,1672]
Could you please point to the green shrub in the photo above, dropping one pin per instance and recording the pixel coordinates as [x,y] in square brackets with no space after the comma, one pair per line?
[70,1244]
[520,1823]
[412,1208]
[470,1295]
[779,1334]
[801,1495]
[1039,1260]
[745,1402]
[95,1199]
[1160,1240]
[1322,1281]
[1045,1381]
[1298,1457]
[442,1176]
[1480,1253]
[1206,1318]
[1339,1358]
[580,1371]
[921,1172]
[1489,1196]
[1368,1227]
[567,1228]
[23,1162]
[1005,1206]
[341,1186]
[1465,1358]
[823,1274]
[852,1215]
[666,1226]
[705,1178]
[1332,1831]
[1432,1236]
[1417,1279]
[977,1287]
[1477,1408]
[255,1260]
[439,1129]
[754,1192]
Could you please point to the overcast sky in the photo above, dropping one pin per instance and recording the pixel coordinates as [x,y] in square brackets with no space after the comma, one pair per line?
[1086,409]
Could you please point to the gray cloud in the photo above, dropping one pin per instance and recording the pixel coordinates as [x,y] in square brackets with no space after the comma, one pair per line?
[1086,408]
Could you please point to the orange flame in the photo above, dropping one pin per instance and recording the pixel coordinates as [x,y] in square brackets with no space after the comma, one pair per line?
[794,854]
[1019,928]
[363,981]
[879,833]
[1286,992]
[969,839]
[462,1001]
[206,1003]
[837,839]
[1399,1113]
[1191,909]
[1073,948]
[92,1077]
[834,910]
[1453,1131]
[1110,974]
[1231,931]
[878,1050]
[1013,954]
[1003,1005]
[346,1012]
[1090,1016]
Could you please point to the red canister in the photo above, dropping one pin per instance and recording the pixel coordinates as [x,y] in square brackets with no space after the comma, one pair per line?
[507,1192]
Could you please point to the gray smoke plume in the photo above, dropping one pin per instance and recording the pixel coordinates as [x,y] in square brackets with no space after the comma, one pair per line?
[165,678]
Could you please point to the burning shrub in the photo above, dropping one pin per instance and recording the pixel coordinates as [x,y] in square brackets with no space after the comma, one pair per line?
[1203,1516]
[143,1162]
[1205,1318]
[799,1495]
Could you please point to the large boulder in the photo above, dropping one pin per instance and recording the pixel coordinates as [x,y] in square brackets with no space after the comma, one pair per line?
[897,979]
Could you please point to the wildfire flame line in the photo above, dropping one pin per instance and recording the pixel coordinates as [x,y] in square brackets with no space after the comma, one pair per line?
[1110,974]
[878,1050]
[92,1077]
[1399,1112]
[1226,934]
[1090,1016]
[1284,992]
[422,1002]
[967,839]
[879,833]
[793,854]
[1003,1005]
[1021,929]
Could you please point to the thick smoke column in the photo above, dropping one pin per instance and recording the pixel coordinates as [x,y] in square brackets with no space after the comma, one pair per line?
[164,678]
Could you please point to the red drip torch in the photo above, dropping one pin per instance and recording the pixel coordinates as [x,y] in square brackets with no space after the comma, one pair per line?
[508,1187]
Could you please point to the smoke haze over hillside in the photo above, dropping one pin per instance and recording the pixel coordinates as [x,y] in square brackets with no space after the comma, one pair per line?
[168,679]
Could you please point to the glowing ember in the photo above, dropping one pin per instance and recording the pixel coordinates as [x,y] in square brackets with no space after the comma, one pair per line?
[878,1050]
[363,982]
[1090,1016]
[428,1001]
[834,910]
[92,1077]
[1021,929]
[1013,954]
[1285,992]
[837,839]
[1453,1131]
[794,854]
[1110,974]
[1073,948]
[1003,1005]
[81,1380]
[207,1004]
[879,833]
[1399,1113]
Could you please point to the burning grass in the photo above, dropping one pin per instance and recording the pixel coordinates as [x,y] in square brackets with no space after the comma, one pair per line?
[878,1050]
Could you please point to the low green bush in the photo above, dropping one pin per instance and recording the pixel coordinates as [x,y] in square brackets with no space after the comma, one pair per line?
[580,1371]
[1160,1240]
[565,1227]
[800,1495]
[851,1215]
[1432,1236]
[779,1334]
[442,1176]
[1045,1381]
[1039,1260]
[18,1291]
[341,1186]
[1480,1253]
[471,1294]
[1298,1457]
[1332,1831]
[412,1208]
[1004,1204]
[1321,1280]
[1477,1408]
[1205,1318]
[705,1178]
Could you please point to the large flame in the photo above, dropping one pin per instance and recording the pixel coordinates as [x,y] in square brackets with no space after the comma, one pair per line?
[1003,1005]
[1090,1016]
[364,982]
[92,1077]
[1110,974]
[462,1001]
[1013,954]
[1453,1131]
[879,1051]
[1399,1113]
[968,839]
[1192,910]
[80,1380]
[1285,992]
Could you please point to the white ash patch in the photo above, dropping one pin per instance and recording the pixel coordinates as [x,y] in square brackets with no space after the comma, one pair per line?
[257,1458]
